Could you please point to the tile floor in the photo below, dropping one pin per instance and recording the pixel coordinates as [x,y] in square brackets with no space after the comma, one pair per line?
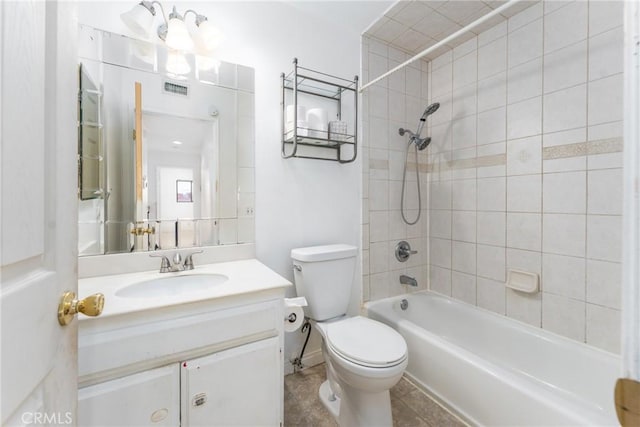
[410,406]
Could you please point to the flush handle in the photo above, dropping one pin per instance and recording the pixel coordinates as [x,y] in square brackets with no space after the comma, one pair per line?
[69,306]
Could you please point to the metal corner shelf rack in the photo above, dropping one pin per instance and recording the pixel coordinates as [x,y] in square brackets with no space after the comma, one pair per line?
[328,89]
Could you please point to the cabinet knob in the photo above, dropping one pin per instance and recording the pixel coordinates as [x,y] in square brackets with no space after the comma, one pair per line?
[69,306]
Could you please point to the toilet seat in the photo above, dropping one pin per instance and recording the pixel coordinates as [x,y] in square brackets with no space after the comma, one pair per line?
[366,342]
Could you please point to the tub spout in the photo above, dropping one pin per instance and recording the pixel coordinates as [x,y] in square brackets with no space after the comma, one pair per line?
[407,280]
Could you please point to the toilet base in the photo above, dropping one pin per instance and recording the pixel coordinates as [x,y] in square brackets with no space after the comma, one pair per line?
[329,399]
[357,409]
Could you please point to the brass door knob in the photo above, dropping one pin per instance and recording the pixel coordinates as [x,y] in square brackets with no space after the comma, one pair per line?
[69,306]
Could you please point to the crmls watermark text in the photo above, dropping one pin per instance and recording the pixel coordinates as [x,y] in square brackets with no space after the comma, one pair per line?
[44,418]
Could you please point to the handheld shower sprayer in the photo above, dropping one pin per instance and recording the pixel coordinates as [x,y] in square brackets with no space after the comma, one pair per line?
[420,144]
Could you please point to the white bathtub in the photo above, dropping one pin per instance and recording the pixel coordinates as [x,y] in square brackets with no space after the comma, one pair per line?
[493,371]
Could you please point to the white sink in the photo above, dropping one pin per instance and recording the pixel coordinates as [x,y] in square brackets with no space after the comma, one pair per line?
[172,286]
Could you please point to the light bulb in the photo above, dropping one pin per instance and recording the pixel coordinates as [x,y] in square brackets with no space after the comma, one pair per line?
[178,36]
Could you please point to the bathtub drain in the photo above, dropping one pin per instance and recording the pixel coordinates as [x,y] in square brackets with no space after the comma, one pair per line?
[404,304]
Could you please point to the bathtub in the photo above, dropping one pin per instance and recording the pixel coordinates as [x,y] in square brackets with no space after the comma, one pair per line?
[492,370]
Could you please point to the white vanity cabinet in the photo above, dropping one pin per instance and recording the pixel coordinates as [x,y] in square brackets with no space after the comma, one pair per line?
[234,387]
[147,398]
[214,362]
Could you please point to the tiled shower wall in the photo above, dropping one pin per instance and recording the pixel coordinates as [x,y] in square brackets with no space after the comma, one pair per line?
[395,102]
[525,170]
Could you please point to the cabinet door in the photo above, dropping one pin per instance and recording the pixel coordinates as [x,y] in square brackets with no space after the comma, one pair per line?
[241,386]
[149,398]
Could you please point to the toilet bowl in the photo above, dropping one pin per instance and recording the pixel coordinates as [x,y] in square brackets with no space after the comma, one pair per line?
[364,358]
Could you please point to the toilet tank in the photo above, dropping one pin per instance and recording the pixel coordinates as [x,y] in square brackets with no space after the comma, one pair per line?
[324,276]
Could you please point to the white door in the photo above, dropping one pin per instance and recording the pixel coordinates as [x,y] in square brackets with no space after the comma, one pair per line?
[38,211]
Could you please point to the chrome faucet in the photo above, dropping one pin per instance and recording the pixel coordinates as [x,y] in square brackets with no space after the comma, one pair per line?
[403,251]
[167,266]
[407,280]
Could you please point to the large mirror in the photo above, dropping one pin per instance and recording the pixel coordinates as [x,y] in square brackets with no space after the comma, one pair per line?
[165,148]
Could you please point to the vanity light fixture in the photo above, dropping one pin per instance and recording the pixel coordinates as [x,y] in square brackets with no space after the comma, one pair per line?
[174,31]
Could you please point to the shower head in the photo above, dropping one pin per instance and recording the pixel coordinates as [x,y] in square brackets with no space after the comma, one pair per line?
[430,110]
[422,143]
[427,112]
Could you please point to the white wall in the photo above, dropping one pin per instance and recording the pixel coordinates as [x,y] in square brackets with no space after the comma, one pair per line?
[298,202]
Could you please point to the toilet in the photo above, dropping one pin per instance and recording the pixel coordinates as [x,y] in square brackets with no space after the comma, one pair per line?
[364,358]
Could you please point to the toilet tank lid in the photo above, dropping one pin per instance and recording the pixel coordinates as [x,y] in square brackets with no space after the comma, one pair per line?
[323,253]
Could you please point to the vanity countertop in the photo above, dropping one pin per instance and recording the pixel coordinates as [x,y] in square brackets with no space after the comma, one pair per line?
[245,277]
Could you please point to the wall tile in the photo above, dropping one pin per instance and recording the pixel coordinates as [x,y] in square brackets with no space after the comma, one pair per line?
[441,195]
[464,132]
[565,109]
[463,287]
[442,80]
[464,101]
[524,231]
[564,234]
[526,16]
[397,106]
[379,286]
[524,156]
[565,67]
[605,192]
[564,316]
[491,262]
[379,195]
[492,58]
[565,192]
[566,26]
[440,280]
[463,257]
[563,275]
[604,237]
[530,261]
[464,194]
[603,328]
[525,43]
[491,295]
[378,226]
[524,118]
[440,224]
[525,81]
[492,92]
[465,70]
[606,54]
[605,100]
[491,194]
[491,228]
[464,226]
[524,193]
[605,15]
[524,307]
[493,33]
[378,257]
[491,126]
[604,281]
[440,252]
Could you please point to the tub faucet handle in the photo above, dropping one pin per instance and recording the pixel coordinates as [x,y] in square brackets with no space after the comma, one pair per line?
[403,251]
